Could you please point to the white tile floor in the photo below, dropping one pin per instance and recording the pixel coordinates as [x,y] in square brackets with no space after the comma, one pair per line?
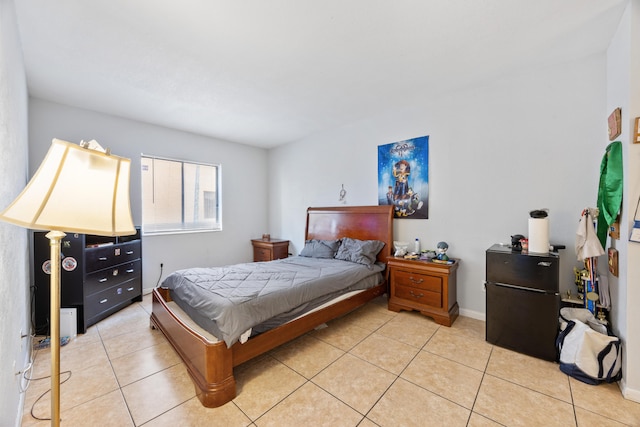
[372,367]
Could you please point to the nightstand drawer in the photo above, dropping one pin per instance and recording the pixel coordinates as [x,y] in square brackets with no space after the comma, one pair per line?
[416,280]
[417,295]
[261,254]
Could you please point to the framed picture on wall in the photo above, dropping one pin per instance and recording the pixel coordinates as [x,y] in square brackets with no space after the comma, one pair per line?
[403,177]
[614,124]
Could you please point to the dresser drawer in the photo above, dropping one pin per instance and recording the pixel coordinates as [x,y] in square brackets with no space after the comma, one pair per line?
[108,298]
[108,277]
[417,280]
[418,295]
[107,256]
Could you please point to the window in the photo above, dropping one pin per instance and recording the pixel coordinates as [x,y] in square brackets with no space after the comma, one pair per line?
[179,196]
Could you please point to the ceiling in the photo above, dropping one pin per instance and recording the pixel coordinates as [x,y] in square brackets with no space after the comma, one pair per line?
[268,72]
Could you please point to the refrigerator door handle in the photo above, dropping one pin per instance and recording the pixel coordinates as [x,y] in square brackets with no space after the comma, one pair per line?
[524,288]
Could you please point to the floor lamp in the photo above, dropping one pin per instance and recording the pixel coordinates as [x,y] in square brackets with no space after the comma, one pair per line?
[77,189]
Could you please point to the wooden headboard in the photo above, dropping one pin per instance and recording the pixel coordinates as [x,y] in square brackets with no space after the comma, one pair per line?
[357,222]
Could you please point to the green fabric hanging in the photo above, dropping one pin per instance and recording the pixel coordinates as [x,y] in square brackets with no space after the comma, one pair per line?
[609,189]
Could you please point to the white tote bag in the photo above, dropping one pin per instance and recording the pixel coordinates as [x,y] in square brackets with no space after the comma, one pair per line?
[587,349]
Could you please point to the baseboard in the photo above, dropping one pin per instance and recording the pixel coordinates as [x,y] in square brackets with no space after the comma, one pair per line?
[629,393]
[473,314]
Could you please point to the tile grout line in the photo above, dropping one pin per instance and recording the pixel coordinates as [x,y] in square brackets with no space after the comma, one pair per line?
[116,377]
[310,380]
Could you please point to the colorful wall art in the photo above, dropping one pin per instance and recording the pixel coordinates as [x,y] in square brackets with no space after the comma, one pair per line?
[403,177]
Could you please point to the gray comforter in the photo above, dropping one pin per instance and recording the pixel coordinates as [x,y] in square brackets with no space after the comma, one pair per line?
[228,301]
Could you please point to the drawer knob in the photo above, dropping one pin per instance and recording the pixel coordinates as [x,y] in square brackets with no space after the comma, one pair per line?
[102,280]
[102,258]
[416,280]
[131,270]
[103,301]
[130,289]
[129,252]
[416,295]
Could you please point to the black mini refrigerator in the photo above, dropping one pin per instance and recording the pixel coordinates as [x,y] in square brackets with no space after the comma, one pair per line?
[523,301]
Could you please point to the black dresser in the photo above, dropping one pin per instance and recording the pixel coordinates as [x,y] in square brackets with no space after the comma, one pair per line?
[99,276]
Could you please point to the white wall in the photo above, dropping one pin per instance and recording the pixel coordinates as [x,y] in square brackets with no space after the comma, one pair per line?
[497,151]
[623,90]
[631,389]
[244,181]
[14,245]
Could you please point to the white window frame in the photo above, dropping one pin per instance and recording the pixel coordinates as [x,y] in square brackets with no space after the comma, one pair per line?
[184,226]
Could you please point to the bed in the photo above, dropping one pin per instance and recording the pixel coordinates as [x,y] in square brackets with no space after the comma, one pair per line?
[210,361]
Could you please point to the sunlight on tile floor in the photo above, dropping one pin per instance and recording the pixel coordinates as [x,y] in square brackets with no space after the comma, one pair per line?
[372,367]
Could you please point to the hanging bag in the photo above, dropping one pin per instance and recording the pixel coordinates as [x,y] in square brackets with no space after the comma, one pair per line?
[587,349]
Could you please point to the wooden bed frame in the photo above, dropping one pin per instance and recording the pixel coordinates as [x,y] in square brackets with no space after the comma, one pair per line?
[210,364]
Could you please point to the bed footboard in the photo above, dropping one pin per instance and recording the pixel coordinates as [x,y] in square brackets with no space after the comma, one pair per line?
[210,365]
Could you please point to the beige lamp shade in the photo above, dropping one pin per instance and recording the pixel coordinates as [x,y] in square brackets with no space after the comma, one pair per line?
[78,190]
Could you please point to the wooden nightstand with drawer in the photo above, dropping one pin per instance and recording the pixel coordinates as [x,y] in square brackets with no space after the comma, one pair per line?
[268,250]
[425,286]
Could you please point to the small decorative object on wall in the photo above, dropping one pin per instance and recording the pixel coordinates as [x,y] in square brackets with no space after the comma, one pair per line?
[613,261]
[636,132]
[614,229]
[635,231]
[342,196]
[614,123]
[403,177]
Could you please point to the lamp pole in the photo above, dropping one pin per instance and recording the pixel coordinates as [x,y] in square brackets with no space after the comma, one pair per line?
[54,325]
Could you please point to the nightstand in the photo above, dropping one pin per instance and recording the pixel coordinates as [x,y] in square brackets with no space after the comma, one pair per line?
[425,286]
[268,250]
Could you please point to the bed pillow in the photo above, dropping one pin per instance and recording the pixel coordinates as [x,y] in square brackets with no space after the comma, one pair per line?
[320,248]
[360,251]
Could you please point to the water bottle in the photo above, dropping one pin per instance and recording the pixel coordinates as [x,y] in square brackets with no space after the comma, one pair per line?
[416,248]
